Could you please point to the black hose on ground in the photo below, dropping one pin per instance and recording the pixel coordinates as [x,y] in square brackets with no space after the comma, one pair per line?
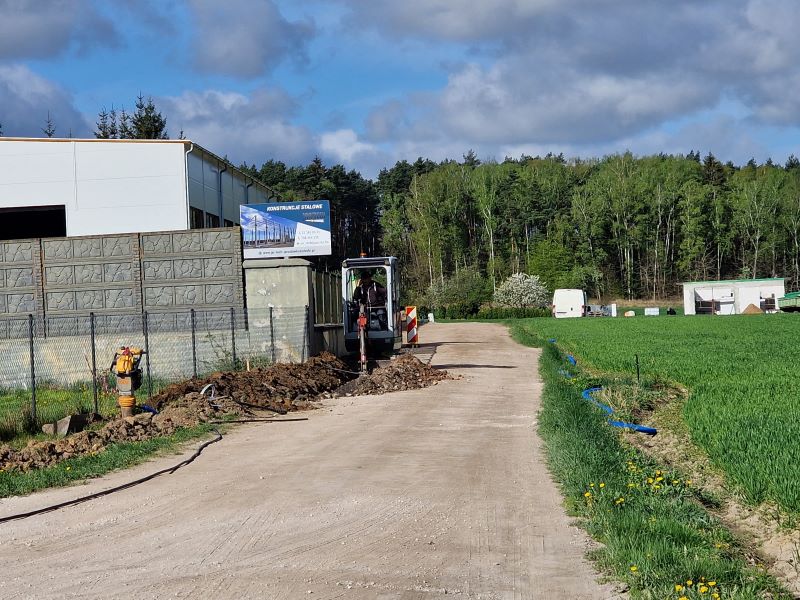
[260,421]
[124,486]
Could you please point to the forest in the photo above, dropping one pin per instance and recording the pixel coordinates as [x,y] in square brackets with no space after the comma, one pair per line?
[619,227]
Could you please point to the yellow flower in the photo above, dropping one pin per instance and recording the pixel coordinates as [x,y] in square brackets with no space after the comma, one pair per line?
[703,589]
[602,485]
[631,485]
[658,472]
[683,598]
[656,487]
[712,583]
[659,478]
[634,568]
[688,482]
[678,587]
[676,481]
[649,480]
[69,468]
[689,582]
[715,596]
[588,494]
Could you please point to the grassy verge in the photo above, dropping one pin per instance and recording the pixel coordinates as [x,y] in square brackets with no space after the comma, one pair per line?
[116,456]
[655,535]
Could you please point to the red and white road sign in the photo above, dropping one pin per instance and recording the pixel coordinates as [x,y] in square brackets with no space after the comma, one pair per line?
[412,334]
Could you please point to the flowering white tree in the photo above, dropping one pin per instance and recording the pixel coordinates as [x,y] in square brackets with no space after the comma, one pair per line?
[522,290]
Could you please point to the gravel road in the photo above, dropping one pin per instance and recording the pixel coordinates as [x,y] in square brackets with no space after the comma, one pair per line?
[419,494]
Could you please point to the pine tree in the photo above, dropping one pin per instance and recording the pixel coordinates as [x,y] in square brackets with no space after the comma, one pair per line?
[102,131]
[147,122]
[50,128]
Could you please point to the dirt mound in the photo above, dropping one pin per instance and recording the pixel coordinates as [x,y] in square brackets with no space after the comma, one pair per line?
[282,387]
[752,309]
[188,411]
[406,372]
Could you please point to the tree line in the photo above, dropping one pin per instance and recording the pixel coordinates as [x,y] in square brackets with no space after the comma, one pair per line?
[621,226]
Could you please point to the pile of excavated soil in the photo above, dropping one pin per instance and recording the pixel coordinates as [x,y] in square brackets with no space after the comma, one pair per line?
[187,411]
[281,388]
[406,372]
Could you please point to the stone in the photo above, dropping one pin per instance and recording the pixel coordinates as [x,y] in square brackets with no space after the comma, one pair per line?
[49,428]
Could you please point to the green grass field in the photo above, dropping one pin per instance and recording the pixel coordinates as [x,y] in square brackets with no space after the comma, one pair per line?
[742,373]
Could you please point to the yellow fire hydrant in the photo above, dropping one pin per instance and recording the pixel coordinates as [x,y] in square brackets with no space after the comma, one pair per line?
[129,377]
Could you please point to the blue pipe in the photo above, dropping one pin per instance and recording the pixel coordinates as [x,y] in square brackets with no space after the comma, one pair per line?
[587,395]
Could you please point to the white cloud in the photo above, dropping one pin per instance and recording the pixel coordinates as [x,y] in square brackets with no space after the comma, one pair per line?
[245,38]
[25,100]
[45,28]
[250,128]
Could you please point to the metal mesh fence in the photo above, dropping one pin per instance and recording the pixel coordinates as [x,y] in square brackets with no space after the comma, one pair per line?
[52,367]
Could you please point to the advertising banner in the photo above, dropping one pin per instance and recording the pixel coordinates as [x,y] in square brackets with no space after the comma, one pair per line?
[282,229]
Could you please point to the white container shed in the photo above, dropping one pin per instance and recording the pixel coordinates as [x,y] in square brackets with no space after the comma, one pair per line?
[53,187]
[733,296]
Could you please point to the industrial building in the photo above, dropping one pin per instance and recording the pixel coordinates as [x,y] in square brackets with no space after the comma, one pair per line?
[732,297]
[70,187]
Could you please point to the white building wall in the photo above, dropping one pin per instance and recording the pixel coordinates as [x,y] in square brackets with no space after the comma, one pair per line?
[106,187]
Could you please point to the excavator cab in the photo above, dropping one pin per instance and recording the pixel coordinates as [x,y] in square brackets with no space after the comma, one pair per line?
[371,301]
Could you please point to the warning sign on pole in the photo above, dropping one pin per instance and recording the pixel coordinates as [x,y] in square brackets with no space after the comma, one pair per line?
[412,334]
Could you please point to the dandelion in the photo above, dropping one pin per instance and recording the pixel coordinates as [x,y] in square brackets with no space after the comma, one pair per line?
[602,485]
[659,478]
[587,494]
[650,480]
[69,468]
[634,568]
[689,583]
[712,583]
[656,487]
[683,598]
[631,485]
[715,596]
[703,589]
[678,587]
[591,485]
[676,481]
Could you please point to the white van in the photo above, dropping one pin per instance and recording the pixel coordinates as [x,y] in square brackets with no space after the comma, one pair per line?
[569,303]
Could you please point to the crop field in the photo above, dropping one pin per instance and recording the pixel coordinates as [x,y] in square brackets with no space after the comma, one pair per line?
[742,373]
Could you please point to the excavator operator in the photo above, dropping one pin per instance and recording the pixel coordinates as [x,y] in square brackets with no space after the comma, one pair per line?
[369,292]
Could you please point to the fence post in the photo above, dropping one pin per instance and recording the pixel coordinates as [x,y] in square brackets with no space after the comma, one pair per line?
[33,370]
[94,362]
[272,335]
[306,340]
[146,328]
[194,343]
[233,337]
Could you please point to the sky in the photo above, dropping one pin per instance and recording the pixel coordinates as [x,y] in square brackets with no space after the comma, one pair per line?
[365,83]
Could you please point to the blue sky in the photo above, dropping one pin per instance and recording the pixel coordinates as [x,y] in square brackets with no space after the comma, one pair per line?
[369,82]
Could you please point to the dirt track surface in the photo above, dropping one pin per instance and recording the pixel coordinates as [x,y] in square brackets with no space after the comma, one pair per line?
[416,494]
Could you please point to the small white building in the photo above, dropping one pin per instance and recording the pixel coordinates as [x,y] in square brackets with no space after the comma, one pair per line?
[68,187]
[733,296]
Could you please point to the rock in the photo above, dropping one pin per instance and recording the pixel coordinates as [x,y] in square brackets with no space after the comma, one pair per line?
[49,428]
[71,424]
[143,418]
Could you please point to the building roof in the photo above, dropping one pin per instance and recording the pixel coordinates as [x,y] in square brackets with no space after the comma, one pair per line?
[731,281]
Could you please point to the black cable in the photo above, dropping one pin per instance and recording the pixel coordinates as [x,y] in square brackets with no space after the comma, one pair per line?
[118,488]
[259,421]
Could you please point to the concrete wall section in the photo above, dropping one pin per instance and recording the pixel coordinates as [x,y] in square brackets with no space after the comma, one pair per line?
[20,286]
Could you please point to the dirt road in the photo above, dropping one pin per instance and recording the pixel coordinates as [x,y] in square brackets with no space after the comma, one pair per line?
[419,494]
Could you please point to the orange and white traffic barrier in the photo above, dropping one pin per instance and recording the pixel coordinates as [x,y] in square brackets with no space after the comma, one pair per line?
[412,333]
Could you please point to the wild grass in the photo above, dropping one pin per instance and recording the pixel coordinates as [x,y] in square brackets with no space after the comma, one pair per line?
[743,407]
[655,535]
